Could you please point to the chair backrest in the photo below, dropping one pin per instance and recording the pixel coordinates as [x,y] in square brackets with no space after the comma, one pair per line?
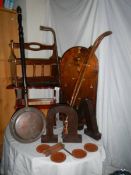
[40,72]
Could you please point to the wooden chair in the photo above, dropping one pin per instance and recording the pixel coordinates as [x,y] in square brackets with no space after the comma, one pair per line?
[42,74]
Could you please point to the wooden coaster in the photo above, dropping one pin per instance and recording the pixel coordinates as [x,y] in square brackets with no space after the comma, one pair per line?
[58,157]
[40,148]
[91,147]
[79,153]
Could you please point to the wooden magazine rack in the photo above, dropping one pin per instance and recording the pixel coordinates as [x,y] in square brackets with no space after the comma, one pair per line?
[41,73]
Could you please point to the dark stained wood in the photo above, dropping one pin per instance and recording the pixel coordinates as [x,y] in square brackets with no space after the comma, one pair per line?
[87,115]
[72,135]
[36,73]
[40,72]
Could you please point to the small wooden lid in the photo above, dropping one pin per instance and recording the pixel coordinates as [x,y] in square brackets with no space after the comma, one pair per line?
[79,153]
[58,157]
[91,147]
[40,148]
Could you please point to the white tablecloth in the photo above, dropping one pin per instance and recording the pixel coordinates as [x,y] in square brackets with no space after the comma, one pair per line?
[23,159]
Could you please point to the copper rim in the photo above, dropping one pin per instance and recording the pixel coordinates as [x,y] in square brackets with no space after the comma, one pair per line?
[91,147]
[27,124]
[58,157]
[79,153]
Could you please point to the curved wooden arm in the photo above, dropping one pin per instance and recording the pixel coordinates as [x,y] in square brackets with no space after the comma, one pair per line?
[84,66]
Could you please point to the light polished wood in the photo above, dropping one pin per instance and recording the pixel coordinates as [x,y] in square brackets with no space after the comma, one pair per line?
[8,31]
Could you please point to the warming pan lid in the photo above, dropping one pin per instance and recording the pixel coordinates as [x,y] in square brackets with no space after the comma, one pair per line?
[27,124]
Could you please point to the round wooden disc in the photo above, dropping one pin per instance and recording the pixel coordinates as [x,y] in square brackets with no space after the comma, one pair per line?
[91,147]
[58,157]
[40,148]
[79,153]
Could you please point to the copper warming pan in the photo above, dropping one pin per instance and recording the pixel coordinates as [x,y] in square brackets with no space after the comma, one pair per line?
[28,123]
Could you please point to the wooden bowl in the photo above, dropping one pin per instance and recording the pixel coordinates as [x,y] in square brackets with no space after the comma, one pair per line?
[79,153]
[91,147]
[42,147]
[58,157]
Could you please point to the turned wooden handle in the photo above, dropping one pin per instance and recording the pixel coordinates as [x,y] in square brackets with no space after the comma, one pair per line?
[53,149]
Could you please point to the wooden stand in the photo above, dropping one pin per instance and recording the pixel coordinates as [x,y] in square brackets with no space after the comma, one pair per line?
[87,115]
[72,135]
